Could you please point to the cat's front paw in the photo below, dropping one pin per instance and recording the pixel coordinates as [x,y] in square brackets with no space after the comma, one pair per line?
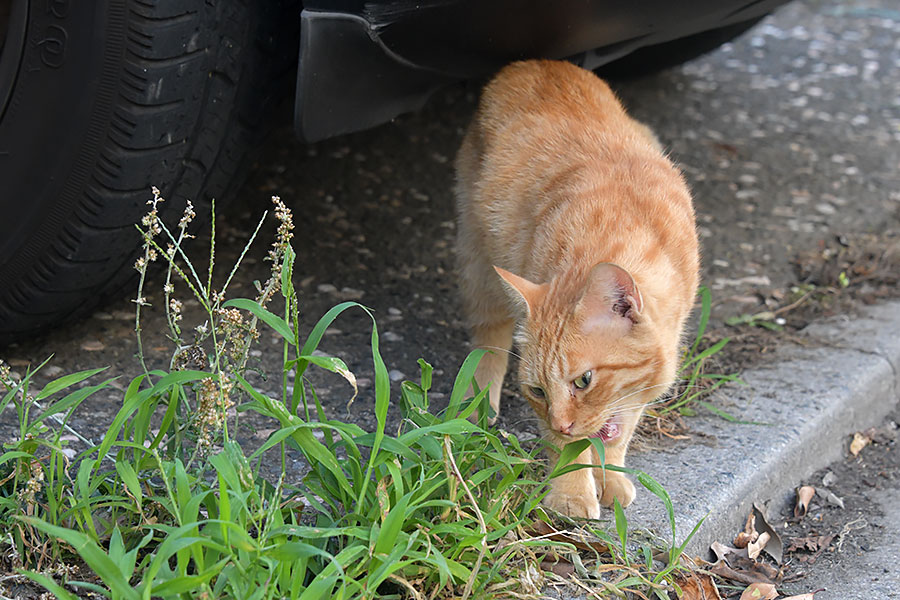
[615,486]
[571,505]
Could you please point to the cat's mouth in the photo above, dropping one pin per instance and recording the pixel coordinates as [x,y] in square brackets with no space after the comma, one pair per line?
[610,431]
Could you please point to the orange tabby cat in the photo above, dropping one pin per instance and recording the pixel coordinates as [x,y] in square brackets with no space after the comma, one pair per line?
[577,234]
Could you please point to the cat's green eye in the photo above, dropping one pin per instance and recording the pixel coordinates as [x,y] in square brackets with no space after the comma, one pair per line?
[537,392]
[583,381]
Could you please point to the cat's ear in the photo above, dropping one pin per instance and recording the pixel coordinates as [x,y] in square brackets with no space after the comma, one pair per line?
[611,300]
[521,290]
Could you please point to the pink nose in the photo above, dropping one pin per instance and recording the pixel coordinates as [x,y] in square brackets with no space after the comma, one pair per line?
[563,428]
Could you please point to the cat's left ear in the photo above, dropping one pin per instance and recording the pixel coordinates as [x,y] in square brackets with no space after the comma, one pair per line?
[611,300]
[523,291]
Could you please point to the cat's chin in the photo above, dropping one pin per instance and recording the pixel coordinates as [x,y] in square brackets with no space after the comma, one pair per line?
[611,430]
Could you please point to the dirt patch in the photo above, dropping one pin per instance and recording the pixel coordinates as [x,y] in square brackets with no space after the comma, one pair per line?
[840,520]
[816,541]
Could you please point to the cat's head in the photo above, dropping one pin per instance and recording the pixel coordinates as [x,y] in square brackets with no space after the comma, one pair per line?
[591,356]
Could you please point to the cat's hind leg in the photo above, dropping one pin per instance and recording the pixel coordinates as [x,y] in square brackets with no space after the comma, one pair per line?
[495,337]
[487,311]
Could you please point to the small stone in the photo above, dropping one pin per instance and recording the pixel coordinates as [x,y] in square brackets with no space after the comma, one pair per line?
[53,371]
[396,375]
[93,346]
[351,293]
[390,336]
[828,479]
[326,288]
[394,312]
[103,316]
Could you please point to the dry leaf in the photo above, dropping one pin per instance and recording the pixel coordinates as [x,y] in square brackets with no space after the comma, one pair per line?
[754,548]
[807,596]
[760,591]
[722,551]
[774,547]
[810,543]
[859,442]
[699,586]
[749,534]
[560,567]
[804,495]
[833,499]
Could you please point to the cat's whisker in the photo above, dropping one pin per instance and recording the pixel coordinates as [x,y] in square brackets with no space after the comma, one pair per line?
[507,350]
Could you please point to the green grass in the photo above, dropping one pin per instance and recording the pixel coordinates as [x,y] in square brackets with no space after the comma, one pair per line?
[695,383]
[169,505]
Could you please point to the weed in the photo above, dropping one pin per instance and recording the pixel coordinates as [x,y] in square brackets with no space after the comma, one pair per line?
[694,383]
[169,505]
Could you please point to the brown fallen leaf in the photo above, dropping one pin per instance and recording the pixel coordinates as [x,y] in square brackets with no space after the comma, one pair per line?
[859,442]
[760,591]
[804,495]
[725,552]
[561,567]
[806,596]
[774,547]
[749,534]
[698,586]
[747,572]
[810,543]
[754,548]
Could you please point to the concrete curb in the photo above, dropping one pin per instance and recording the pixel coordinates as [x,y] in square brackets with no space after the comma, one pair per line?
[844,378]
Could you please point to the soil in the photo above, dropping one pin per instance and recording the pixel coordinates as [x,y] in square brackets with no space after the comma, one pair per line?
[828,535]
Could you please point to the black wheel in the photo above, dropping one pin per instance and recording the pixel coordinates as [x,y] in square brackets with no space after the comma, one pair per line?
[658,57]
[101,100]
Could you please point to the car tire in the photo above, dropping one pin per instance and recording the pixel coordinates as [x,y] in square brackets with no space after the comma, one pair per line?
[99,101]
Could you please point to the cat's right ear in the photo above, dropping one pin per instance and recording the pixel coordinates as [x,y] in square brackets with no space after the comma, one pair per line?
[522,291]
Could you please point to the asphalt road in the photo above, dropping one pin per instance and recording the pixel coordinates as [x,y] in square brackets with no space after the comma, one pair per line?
[789,137]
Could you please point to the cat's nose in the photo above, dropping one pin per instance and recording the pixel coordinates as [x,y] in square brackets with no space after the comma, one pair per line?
[564,428]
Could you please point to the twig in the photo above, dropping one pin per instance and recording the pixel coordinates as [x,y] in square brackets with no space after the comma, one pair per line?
[792,305]
[471,582]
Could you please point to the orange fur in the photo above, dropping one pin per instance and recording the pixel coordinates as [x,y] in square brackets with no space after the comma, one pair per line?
[592,230]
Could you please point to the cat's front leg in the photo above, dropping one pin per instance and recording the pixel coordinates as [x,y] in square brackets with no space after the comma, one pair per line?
[613,485]
[575,493]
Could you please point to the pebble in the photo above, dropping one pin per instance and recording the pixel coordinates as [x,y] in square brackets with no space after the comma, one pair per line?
[351,293]
[53,371]
[93,346]
[390,336]
[326,288]
[395,375]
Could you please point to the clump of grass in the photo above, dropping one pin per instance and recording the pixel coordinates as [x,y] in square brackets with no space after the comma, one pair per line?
[169,505]
[694,383]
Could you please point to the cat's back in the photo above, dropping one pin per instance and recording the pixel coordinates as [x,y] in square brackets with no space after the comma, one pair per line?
[553,173]
[544,89]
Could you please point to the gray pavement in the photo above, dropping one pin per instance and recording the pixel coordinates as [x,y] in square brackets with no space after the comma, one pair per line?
[842,376]
[789,137]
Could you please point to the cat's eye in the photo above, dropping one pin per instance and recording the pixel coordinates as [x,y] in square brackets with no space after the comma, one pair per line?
[583,381]
[537,392]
